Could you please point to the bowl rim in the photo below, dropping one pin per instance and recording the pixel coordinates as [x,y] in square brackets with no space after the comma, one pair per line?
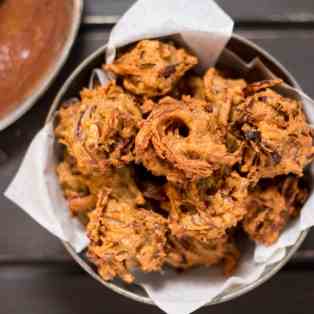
[146,299]
[46,80]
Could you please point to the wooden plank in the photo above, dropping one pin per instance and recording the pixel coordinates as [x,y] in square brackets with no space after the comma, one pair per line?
[107,7]
[53,290]
[21,239]
[270,11]
[242,11]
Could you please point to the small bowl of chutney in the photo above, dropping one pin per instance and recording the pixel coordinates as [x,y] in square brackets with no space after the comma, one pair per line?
[36,37]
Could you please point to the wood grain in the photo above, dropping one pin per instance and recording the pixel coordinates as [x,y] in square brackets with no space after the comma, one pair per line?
[242,11]
[52,290]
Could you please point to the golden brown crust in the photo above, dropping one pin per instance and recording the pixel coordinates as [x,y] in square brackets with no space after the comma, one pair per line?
[270,209]
[181,140]
[189,252]
[99,130]
[218,88]
[189,85]
[171,180]
[277,139]
[253,88]
[152,68]
[207,209]
[81,191]
[124,238]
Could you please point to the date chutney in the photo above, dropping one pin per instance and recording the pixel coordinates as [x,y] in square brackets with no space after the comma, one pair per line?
[32,34]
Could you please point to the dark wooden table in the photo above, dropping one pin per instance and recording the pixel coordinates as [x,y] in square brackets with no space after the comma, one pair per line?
[37,275]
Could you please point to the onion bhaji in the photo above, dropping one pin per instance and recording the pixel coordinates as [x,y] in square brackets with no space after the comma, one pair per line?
[99,130]
[124,237]
[270,209]
[79,190]
[277,139]
[190,85]
[152,68]
[205,210]
[222,93]
[189,252]
[181,140]
[167,166]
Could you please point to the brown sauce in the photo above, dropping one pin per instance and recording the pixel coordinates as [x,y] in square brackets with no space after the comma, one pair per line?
[32,34]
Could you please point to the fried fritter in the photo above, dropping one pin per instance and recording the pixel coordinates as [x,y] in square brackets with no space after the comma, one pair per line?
[124,238]
[170,180]
[81,191]
[253,88]
[189,85]
[277,138]
[222,93]
[207,209]
[152,68]
[181,140]
[219,89]
[99,130]
[189,252]
[270,209]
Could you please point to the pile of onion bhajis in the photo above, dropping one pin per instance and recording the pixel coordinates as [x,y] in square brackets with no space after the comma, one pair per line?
[166,167]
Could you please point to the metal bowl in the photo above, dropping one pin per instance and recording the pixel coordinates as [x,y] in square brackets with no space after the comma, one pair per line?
[80,77]
[45,81]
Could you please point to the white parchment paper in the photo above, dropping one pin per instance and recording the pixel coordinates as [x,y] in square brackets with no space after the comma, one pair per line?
[205,29]
[202,25]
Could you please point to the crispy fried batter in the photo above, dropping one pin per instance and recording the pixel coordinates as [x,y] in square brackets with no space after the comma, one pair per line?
[205,210]
[181,140]
[277,138]
[270,209]
[222,93]
[258,86]
[124,237]
[99,131]
[81,191]
[169,181]
[220,89]
[152,68]
[190,85]
[189,252]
